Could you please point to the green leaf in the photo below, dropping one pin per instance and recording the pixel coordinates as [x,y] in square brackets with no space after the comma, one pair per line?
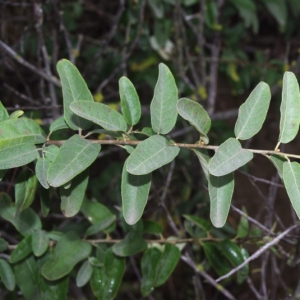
[16,114]
[168,262]
[27,222]
[84,274]
[25,189]
[3,113]
[22,250]
[105,281]
[291,180]
[3,245]
[130,102]
[41,168]
[243,227]
[134,191]
[75,155]
[215,258]
[278,9]
[17,155]
[72,198]
[133,243]
[229,157]
[200,222]
[196,115]
[7,275]
[243,273]
[150,155]
[20,131]
[39,242]
[100,114]
[2,174]
[51,152]
[157,8]
[149,267]
[220,193]
[253,112]
[151,227]
[204,160]
[289,108]
[58,124]
[74,88]
[96,212]
[163,105]
[69,250]
[278,162]
[232,252]
[100,226]
[45,201]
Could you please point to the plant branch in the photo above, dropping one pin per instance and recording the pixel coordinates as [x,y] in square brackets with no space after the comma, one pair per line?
[259,252]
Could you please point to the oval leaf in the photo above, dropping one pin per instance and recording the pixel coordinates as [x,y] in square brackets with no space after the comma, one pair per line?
[133,243]
[3,113]
[69,250]
[291,180]
[39,242]
[84,274]
[220,193]
[59,124]
[71,198]
[278,161]
[75,155]
[204,160]
[195,114]
[289,108]
[163,105]
[150,155]
[41,169]
[100,226]
[229,157]
[22,250]
[253,112]
[7,275]
[130,102]
[134,191]
[74,88]
[100,114]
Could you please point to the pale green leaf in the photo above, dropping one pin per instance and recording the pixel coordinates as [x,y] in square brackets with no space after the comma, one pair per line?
[220,193]
[3,113]
[58,124]
[39,242]
[16,114]
[150,155]
[71,198]
[204,160]
[75,155]
[134,191]
[100,114]
[7,275]
[291,180]
[69,250]
[74,88]
[196,115]
[17,155]
[25,189]
[278,161]
[289,108]
[51,152]
[130,103]
[84,274]
[20,131]
[163,105]
[253,112]
[229,157]
[41,168]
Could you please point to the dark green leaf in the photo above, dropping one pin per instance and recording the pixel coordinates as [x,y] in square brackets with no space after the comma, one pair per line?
[69,250]
[39,242]
[7,275]
[202,223]
[100,226]
[22,250]
[3,245]
[151,227]
[150,155]
[133,243]
[75,155]
[45,201]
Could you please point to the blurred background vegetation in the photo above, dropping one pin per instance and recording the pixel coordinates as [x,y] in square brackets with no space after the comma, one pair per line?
[218,50]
